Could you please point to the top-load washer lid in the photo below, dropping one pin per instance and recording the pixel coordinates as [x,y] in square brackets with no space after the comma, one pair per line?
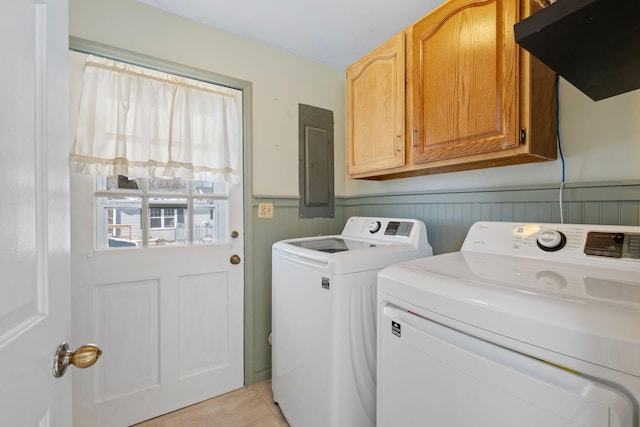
[569,301]
[333,244]
[365,244]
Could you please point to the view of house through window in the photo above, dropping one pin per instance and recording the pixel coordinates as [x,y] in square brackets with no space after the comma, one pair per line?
[150,212]
[136,125]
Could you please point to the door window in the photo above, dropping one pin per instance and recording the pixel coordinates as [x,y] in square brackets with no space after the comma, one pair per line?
[150,212]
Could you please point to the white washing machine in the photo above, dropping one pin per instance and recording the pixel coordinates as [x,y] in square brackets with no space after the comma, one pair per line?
[324,315]
[529,325]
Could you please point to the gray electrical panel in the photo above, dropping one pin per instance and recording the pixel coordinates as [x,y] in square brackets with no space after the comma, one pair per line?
[315,150]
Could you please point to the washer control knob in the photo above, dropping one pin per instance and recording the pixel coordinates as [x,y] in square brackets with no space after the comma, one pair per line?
[551,240]
[374,226]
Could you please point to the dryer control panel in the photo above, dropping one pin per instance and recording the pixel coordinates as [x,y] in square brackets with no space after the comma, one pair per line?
[612,244]
[606,243]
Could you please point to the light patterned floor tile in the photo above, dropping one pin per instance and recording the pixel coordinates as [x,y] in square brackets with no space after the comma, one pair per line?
[265,391]
[247,407]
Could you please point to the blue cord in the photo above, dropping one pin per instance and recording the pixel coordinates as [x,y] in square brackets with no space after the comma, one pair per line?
[558,124]
[559,147]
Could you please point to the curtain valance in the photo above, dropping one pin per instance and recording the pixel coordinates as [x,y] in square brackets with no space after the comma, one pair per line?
[141,123]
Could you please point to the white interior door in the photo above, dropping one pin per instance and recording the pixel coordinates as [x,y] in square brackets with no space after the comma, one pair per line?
[169,319]
[34,219]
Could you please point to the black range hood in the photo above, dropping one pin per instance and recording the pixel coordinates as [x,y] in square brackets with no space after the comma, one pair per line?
[594,44]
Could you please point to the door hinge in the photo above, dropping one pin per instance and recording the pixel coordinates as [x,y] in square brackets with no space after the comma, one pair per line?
[523,135]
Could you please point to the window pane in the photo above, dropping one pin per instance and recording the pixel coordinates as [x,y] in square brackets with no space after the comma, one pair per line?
[118,183]
[169,218]
[174,185]
[118,222]
[209,221]
[209,188]
[168,222]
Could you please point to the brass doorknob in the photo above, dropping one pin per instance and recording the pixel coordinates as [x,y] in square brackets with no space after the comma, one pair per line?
[83,357]
[235,259]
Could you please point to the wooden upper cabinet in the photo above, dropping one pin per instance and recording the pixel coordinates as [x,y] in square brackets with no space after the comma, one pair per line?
[376,110]
[474,99]
[464,62]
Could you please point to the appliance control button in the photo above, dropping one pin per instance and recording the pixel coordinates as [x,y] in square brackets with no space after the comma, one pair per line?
[551,240]
[374,226]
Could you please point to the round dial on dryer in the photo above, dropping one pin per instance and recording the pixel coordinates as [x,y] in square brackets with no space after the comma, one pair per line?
[374,226]
[551,240]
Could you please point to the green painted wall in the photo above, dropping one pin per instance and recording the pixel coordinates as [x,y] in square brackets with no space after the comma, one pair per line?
[286,224]
[448,216]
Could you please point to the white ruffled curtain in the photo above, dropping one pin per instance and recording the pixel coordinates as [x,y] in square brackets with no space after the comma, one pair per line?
[140,123]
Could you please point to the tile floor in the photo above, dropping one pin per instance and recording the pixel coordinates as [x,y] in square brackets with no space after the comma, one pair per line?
[247,407]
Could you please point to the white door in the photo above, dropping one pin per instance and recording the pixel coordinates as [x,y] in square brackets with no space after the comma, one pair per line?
[34,214]
[169,319]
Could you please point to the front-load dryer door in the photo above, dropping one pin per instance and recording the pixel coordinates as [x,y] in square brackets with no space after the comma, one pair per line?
[432,375]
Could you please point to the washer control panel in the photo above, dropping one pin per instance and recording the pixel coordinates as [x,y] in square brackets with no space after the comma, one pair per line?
[398,228]
[392,228]
[387,230]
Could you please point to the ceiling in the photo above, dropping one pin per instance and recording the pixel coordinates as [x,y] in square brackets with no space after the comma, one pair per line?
[332,32]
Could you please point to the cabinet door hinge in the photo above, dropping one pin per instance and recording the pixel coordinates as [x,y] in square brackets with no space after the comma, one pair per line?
[523,135]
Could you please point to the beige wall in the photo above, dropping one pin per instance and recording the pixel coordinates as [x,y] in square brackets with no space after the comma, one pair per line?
[280,80]
[600,139]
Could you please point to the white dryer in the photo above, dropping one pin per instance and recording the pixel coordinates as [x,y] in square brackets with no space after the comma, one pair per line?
[529,325]
[324,315]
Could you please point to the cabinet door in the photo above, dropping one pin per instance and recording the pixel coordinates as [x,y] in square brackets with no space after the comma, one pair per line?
[464,81]
[375,109]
